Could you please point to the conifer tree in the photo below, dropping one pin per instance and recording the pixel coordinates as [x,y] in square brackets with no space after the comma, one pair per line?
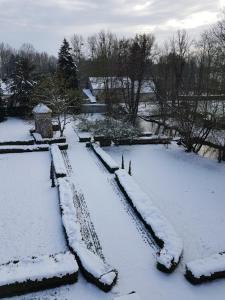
[67,69]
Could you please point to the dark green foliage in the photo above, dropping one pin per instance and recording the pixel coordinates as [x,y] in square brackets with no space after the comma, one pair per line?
[67,68]
[2,109]
[21,82]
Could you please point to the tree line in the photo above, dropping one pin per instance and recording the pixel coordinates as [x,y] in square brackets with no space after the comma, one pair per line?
[186,75]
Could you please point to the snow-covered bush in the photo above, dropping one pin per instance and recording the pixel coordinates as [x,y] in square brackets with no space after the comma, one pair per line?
[162,231]
[37,273]
[59,165]
[206,269]
[105,158]
[109,128]
[85,125]
[95,269]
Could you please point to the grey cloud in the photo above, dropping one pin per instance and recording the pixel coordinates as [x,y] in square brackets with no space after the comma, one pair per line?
[46,22]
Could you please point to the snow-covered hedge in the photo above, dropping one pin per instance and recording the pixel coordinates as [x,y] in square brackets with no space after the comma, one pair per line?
[144,140]
[206,269]
[37,273]
[14,143]
[21,149]
[62,146]
[40,140]
[105,158]
[84,137]
[162,231]
[93,267]
[59,165]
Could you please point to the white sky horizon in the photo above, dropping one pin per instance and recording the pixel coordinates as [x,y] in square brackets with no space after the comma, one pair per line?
[45,23]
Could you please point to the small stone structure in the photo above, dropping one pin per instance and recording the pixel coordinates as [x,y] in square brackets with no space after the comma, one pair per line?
[43,120]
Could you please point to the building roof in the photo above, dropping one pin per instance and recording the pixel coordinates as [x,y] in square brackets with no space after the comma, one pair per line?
[41,109]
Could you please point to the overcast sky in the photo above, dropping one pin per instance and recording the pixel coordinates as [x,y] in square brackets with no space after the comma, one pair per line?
[44,23]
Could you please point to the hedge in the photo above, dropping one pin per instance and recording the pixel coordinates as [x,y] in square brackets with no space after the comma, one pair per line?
[37,273]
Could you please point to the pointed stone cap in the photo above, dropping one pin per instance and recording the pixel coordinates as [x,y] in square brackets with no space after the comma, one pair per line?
[41,109]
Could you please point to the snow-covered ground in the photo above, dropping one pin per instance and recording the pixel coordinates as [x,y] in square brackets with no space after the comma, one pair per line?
[187,188]
[30,221]
[14,129]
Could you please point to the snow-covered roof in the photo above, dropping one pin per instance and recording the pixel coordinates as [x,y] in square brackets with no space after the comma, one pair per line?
[41,109]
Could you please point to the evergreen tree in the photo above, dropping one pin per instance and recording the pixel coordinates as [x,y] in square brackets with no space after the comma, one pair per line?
[2,110]
[21,82]
[67,68]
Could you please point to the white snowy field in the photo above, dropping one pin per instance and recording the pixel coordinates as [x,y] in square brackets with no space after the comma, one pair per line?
[187,188]
[14,129]
[30,221]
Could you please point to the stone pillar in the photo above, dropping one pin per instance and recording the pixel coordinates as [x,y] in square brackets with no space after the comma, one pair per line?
[43,120]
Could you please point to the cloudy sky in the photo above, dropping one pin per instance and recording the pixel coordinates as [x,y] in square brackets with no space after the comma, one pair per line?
[44,23]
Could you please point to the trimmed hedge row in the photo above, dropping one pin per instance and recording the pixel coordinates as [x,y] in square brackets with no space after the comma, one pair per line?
[92,266]
[59,166]
[34,274]
[14,143]
[22,149]
[105,158]
[163,233]
[104,141]
[84,137]
[39,140]
[206,269]
[144,141]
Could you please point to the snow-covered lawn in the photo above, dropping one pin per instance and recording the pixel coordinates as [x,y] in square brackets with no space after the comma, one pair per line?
[30,220]
[15,129]
[188,189]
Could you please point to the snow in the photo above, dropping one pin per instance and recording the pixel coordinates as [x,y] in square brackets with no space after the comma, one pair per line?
[15,129]
[92,263]
[38,268]
[172,244]
[30,220]
[207,266]
[37,136]
[4,88]
[90,96]
[25,148]
[188,189]
[41,109]
[58,162]
[105,157]
[132,296]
